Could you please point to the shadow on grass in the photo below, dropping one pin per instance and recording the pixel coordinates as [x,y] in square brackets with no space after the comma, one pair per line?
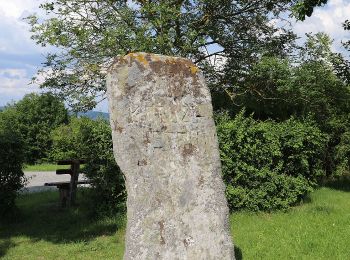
[341,183]
[4,246]
[238,253]
[42,219]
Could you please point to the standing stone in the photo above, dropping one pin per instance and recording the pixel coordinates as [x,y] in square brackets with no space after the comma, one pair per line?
[165,143]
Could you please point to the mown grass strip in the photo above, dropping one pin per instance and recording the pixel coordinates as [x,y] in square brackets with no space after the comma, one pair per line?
[45,167]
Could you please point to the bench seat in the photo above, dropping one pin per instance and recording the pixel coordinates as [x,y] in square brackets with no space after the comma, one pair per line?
[64,183]
[64,188]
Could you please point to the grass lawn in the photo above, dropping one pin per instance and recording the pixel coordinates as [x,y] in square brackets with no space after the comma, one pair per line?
[319,229]
[45,167]
[44,231]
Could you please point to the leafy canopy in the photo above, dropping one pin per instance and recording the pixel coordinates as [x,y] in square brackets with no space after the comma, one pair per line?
[306,7]
[12,178]
[89,33]
[315,84]
[33,118]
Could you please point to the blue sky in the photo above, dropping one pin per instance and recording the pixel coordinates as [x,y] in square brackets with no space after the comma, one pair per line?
[20,57]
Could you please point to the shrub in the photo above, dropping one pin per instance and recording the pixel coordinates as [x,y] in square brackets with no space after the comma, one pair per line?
[342,155]
[11,175]
[92,140]
[35,116]
[269,165]
[67,139]
[108,182]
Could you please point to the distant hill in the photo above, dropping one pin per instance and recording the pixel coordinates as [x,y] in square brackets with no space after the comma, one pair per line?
[94,115]
[90,114]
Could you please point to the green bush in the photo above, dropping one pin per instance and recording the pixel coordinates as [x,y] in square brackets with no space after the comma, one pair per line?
[67,139]
[108,182]
[342,155]
[35,116]
[269,165]
[11,160]
[92,140]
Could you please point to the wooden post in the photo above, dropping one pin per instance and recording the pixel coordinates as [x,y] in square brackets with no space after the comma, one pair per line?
[75,167]
[64,194]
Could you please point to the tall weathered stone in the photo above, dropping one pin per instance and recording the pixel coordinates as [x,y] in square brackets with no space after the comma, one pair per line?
[166,145]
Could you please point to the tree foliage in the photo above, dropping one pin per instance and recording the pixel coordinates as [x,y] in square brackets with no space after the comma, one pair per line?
[299,98]
[34,117]
[90,33]
[346,26]
[11,160]
[306,7]
[313,85]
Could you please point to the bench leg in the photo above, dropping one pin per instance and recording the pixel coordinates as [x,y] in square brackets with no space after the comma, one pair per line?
[64,194]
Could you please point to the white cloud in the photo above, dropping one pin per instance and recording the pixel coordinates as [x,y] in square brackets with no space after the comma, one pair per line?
[15,83]
[13,73]
[327,19]
[19,55]
[15,8]
[14,31]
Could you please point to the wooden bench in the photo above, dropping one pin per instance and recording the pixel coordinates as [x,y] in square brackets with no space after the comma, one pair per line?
[67,189]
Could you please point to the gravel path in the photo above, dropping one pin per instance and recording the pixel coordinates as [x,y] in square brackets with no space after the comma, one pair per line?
[36,180]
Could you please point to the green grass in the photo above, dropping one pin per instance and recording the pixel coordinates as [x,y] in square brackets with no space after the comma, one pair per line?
[44,231]
[45,167]
[318,229]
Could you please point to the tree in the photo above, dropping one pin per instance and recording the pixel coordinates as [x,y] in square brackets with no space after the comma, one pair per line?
[12,178]
[35,116]
[90,33]
[67,139]
[306,7]
[343,65]
[313,84]
[310,82]
[346,26]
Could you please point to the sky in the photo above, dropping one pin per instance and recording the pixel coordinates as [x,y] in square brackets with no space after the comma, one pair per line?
[20,57]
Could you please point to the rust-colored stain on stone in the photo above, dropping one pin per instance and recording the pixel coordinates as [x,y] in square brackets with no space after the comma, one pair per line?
[188,150]
[170,65]
[177,91]
[200,181]
[146,139]
[119,129]
[161,229]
